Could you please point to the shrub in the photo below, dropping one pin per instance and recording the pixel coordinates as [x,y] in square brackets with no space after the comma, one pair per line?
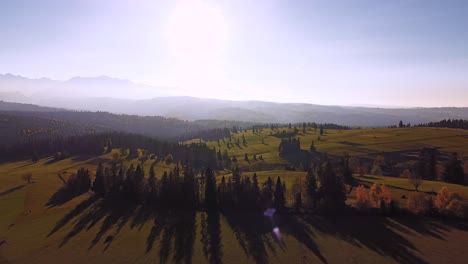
[362,198]
[442,199]
[378,195]
[419,203]
[168,159]
[27,177]
[452,204]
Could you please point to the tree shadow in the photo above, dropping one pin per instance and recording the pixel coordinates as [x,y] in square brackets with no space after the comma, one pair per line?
[429,227]
[301,231]
[80,208]
[211,237]
[24,165]
[62,196]
[373,232]
[12,190]
[253,231]
[176,231]
[178,235]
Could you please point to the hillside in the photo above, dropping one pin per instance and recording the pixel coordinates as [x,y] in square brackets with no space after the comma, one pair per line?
[18,118]
[92,94]
[73,229]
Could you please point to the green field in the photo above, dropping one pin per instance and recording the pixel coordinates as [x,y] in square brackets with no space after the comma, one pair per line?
[355,142]
[88,230]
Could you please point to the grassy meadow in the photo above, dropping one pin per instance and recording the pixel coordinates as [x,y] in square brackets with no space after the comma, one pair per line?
[87,229]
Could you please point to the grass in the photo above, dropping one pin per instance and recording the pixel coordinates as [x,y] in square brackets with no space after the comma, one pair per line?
[84,230]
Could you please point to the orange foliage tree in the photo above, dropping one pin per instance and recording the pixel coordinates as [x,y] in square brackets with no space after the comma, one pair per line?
[362,197]
[418,203]
[378,194]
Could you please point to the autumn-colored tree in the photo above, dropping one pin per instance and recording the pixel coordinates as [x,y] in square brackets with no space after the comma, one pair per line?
[418,203]
[379,160]
[378,195]
[442,199]
[362,197]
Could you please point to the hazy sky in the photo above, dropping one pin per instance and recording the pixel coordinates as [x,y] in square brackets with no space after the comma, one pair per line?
[404,53]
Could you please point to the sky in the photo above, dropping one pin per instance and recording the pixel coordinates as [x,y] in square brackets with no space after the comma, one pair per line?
[354,52]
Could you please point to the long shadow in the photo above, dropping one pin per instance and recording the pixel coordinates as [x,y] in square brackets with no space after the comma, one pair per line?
[61,196]
[117,212]
[211,237]
[301,231]
[373,232]
[178,228]
[80,208]
[430,227]
[253,231]
[25,165]
[12,190]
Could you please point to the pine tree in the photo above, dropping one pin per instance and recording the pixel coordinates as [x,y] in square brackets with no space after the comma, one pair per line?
[346,169]
[453,171]
[210,191]
[222,192]
[99,181]
[311,188]
[312,147]
[267,193]
[298,202]
[152,184]
[279,195]
[332,189]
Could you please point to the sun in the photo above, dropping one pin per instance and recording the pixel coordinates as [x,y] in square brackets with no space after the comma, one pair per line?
[197,32]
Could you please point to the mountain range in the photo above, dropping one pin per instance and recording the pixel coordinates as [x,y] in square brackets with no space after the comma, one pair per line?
[112,95]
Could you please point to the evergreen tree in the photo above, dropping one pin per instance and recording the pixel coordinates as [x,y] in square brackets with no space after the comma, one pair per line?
[332,190]
[311,187]
[279,195]
[267,193]
[453,171]
[298,202]
[152,185]
[312,147]
[222,192]
[210,191]
[34,156]
[346,170]
[99,181]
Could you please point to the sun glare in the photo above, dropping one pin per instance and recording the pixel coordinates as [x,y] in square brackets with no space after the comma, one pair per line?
[197,32]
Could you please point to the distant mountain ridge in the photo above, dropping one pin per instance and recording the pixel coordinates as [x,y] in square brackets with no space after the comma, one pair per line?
[101,86]
[83,93]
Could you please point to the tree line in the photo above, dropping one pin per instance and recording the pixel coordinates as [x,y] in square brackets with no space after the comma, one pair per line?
[182,188]
[197,154]
[448,123]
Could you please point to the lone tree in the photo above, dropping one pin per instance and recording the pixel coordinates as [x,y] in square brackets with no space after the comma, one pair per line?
[413,178]
[27,177]
[312,147]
